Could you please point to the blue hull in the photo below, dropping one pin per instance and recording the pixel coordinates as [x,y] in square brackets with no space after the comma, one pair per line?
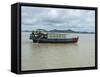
[70,40]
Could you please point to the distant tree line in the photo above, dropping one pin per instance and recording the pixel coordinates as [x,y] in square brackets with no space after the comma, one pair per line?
[63,31]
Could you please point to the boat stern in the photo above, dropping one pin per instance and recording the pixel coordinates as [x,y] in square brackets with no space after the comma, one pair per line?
[75,39]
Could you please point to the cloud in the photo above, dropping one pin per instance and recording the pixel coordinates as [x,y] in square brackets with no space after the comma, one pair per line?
[54,18]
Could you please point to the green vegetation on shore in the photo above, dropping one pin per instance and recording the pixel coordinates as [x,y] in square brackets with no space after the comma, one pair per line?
[63,31]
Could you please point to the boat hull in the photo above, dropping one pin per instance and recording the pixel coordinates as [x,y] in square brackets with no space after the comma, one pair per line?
[69,40]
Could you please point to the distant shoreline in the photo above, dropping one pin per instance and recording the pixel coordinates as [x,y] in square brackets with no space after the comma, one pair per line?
[69,32]
[61,31]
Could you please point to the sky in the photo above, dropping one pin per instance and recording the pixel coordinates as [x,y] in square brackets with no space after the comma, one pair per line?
[56,18]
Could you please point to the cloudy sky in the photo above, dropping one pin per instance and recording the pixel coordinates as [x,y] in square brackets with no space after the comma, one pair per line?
[54,18]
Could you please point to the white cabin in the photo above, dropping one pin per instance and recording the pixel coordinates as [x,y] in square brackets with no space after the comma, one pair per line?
[54,35]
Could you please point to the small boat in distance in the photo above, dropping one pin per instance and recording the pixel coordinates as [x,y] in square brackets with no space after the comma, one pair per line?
[51,37]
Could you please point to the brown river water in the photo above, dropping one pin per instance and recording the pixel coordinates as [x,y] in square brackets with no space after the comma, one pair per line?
[37,56]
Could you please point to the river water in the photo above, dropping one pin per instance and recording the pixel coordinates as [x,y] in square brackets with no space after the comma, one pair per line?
[37,56]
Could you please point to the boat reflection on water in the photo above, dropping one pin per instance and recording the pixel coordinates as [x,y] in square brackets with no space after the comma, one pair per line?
[53,44]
